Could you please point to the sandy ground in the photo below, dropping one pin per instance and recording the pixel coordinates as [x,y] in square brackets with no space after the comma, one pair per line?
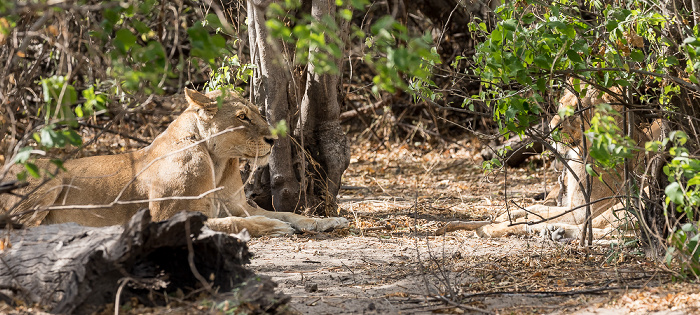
[389,262]
[371,275]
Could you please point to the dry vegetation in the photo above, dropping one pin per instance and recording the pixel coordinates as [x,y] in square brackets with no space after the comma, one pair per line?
[413,169]
[389,261]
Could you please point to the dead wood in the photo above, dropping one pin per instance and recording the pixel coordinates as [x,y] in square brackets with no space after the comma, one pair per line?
[516,150]
[68,268]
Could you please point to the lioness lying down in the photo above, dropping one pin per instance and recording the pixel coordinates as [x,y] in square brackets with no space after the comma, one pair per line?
[567,219]
[193,165]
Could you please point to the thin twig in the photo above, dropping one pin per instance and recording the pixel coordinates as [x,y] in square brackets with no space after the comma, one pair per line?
[190,258]
[122,283]
[462,306]
[554,293]
[121,134]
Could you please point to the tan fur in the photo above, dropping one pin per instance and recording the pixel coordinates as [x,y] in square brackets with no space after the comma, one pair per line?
[182,169]
[570,225]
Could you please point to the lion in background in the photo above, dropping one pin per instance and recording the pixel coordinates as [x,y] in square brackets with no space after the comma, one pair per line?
[565,207]
[193,165]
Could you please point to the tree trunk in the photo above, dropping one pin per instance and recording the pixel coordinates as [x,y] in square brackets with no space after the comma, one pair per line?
[658,223]
[296,179]
[69,268]
[320,130]
[276,186]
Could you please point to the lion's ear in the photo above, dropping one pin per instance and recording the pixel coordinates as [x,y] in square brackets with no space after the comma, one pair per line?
[214,94]
[199,100]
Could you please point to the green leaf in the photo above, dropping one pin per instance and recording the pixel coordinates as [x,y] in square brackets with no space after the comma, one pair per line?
[543,62]
[671,60]
[47,137]
[140,27]
[590,170]
[637,55]
[611,25]
[383,23]
[573,56]
[206,46]
[32,169]
[528,18]
[72,137]
[510,24]
[213,21]
[541,85]
[23,155]
[652,146]
[124,40]
[675,193]
[688,227]
[691,41]
[669,254]
[345,14]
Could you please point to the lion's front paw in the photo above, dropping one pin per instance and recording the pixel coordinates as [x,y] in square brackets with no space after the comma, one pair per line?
[255,225]
[269,227]
[489,231]
[320,225]
[331,223]
[552,232]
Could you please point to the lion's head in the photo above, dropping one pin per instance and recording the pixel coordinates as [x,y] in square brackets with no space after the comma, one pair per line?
[235,128]
[571,126]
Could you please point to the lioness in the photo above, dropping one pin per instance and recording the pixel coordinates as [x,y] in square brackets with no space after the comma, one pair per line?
[567,219]
[193,165]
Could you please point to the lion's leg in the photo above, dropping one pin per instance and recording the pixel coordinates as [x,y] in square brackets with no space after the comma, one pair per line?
[256,226]
[191,190]
[31,211]
[566,223]
[553,231]
[234,200]
[555,197]
[165,202]
[531,213]
[303,223]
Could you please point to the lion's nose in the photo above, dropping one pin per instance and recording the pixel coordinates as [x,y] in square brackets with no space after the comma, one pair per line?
[269,140]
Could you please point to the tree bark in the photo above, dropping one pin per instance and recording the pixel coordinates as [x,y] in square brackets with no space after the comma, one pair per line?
[69,268]
[657,223]
[296,179]
[520,150]
[276,186]
[323,137]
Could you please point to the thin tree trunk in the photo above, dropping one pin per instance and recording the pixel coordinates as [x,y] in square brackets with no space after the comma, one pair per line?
[275,187]
[658,223]
[322,134]
[297,179]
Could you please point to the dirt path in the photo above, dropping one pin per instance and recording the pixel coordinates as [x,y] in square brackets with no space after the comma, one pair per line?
[405,275]
[371,275]
[389,262]
[386,263]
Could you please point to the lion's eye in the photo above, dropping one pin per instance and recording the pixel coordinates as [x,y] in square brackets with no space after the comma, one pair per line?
[243,116]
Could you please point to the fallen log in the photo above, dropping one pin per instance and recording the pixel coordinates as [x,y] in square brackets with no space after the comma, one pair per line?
[68,268]
[516,149]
